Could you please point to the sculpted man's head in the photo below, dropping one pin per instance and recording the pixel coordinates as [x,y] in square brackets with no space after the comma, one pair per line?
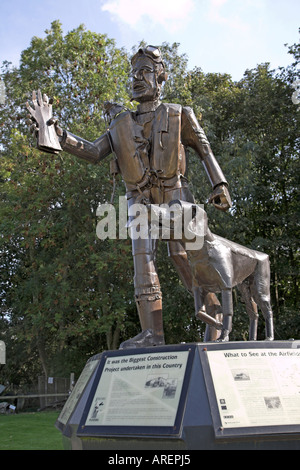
[148,74]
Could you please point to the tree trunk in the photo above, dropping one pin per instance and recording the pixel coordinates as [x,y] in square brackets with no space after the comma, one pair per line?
[42,354]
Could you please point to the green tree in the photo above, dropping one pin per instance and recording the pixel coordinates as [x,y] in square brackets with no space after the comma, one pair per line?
[56,276]
[64,294]
[253,127]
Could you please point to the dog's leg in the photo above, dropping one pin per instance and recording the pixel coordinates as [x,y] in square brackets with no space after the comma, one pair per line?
[227,308]
[261,293]
[251,309]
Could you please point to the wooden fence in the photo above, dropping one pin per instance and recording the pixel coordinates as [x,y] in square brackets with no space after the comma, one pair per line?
[48,392]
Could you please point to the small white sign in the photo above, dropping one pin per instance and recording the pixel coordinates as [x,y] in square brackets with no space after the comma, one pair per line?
[2,353]
[2,92]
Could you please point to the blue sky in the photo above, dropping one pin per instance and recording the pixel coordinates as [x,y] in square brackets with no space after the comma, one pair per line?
[225,36]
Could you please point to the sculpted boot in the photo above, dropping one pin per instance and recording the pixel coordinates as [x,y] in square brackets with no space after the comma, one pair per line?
[150,314]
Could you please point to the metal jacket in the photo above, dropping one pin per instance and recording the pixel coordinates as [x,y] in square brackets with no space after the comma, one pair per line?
[174,127]
[164,155]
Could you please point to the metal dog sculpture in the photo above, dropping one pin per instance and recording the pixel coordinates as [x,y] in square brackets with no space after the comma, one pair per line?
[218,265]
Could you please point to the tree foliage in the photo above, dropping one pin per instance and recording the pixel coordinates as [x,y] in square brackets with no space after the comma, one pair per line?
[52,286]
[65,295]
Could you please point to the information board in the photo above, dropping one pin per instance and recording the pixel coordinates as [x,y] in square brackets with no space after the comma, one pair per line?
[138,393]
[256,388]
[77,391]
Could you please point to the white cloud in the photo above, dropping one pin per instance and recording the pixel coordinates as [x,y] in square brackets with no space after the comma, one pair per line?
[234,14]
[172,15]
[218,14]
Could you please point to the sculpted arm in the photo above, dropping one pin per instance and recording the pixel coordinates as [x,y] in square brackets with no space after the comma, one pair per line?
[92,152]
[193,136]
[51,138]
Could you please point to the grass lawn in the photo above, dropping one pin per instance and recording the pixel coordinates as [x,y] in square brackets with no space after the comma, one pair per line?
[30,431]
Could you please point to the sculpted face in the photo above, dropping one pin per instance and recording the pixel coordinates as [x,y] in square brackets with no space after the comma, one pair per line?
[144,81]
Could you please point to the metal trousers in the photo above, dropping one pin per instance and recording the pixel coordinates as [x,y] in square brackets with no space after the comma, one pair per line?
[147,288]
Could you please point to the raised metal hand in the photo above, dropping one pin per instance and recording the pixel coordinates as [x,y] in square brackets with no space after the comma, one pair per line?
[44,123]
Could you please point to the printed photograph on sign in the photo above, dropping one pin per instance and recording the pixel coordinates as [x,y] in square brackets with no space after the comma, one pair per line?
[168,385]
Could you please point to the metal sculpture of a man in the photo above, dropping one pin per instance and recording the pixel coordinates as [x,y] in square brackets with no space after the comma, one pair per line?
[149,145]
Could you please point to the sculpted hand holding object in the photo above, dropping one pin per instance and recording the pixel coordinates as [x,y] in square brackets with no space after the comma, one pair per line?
[42,118]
